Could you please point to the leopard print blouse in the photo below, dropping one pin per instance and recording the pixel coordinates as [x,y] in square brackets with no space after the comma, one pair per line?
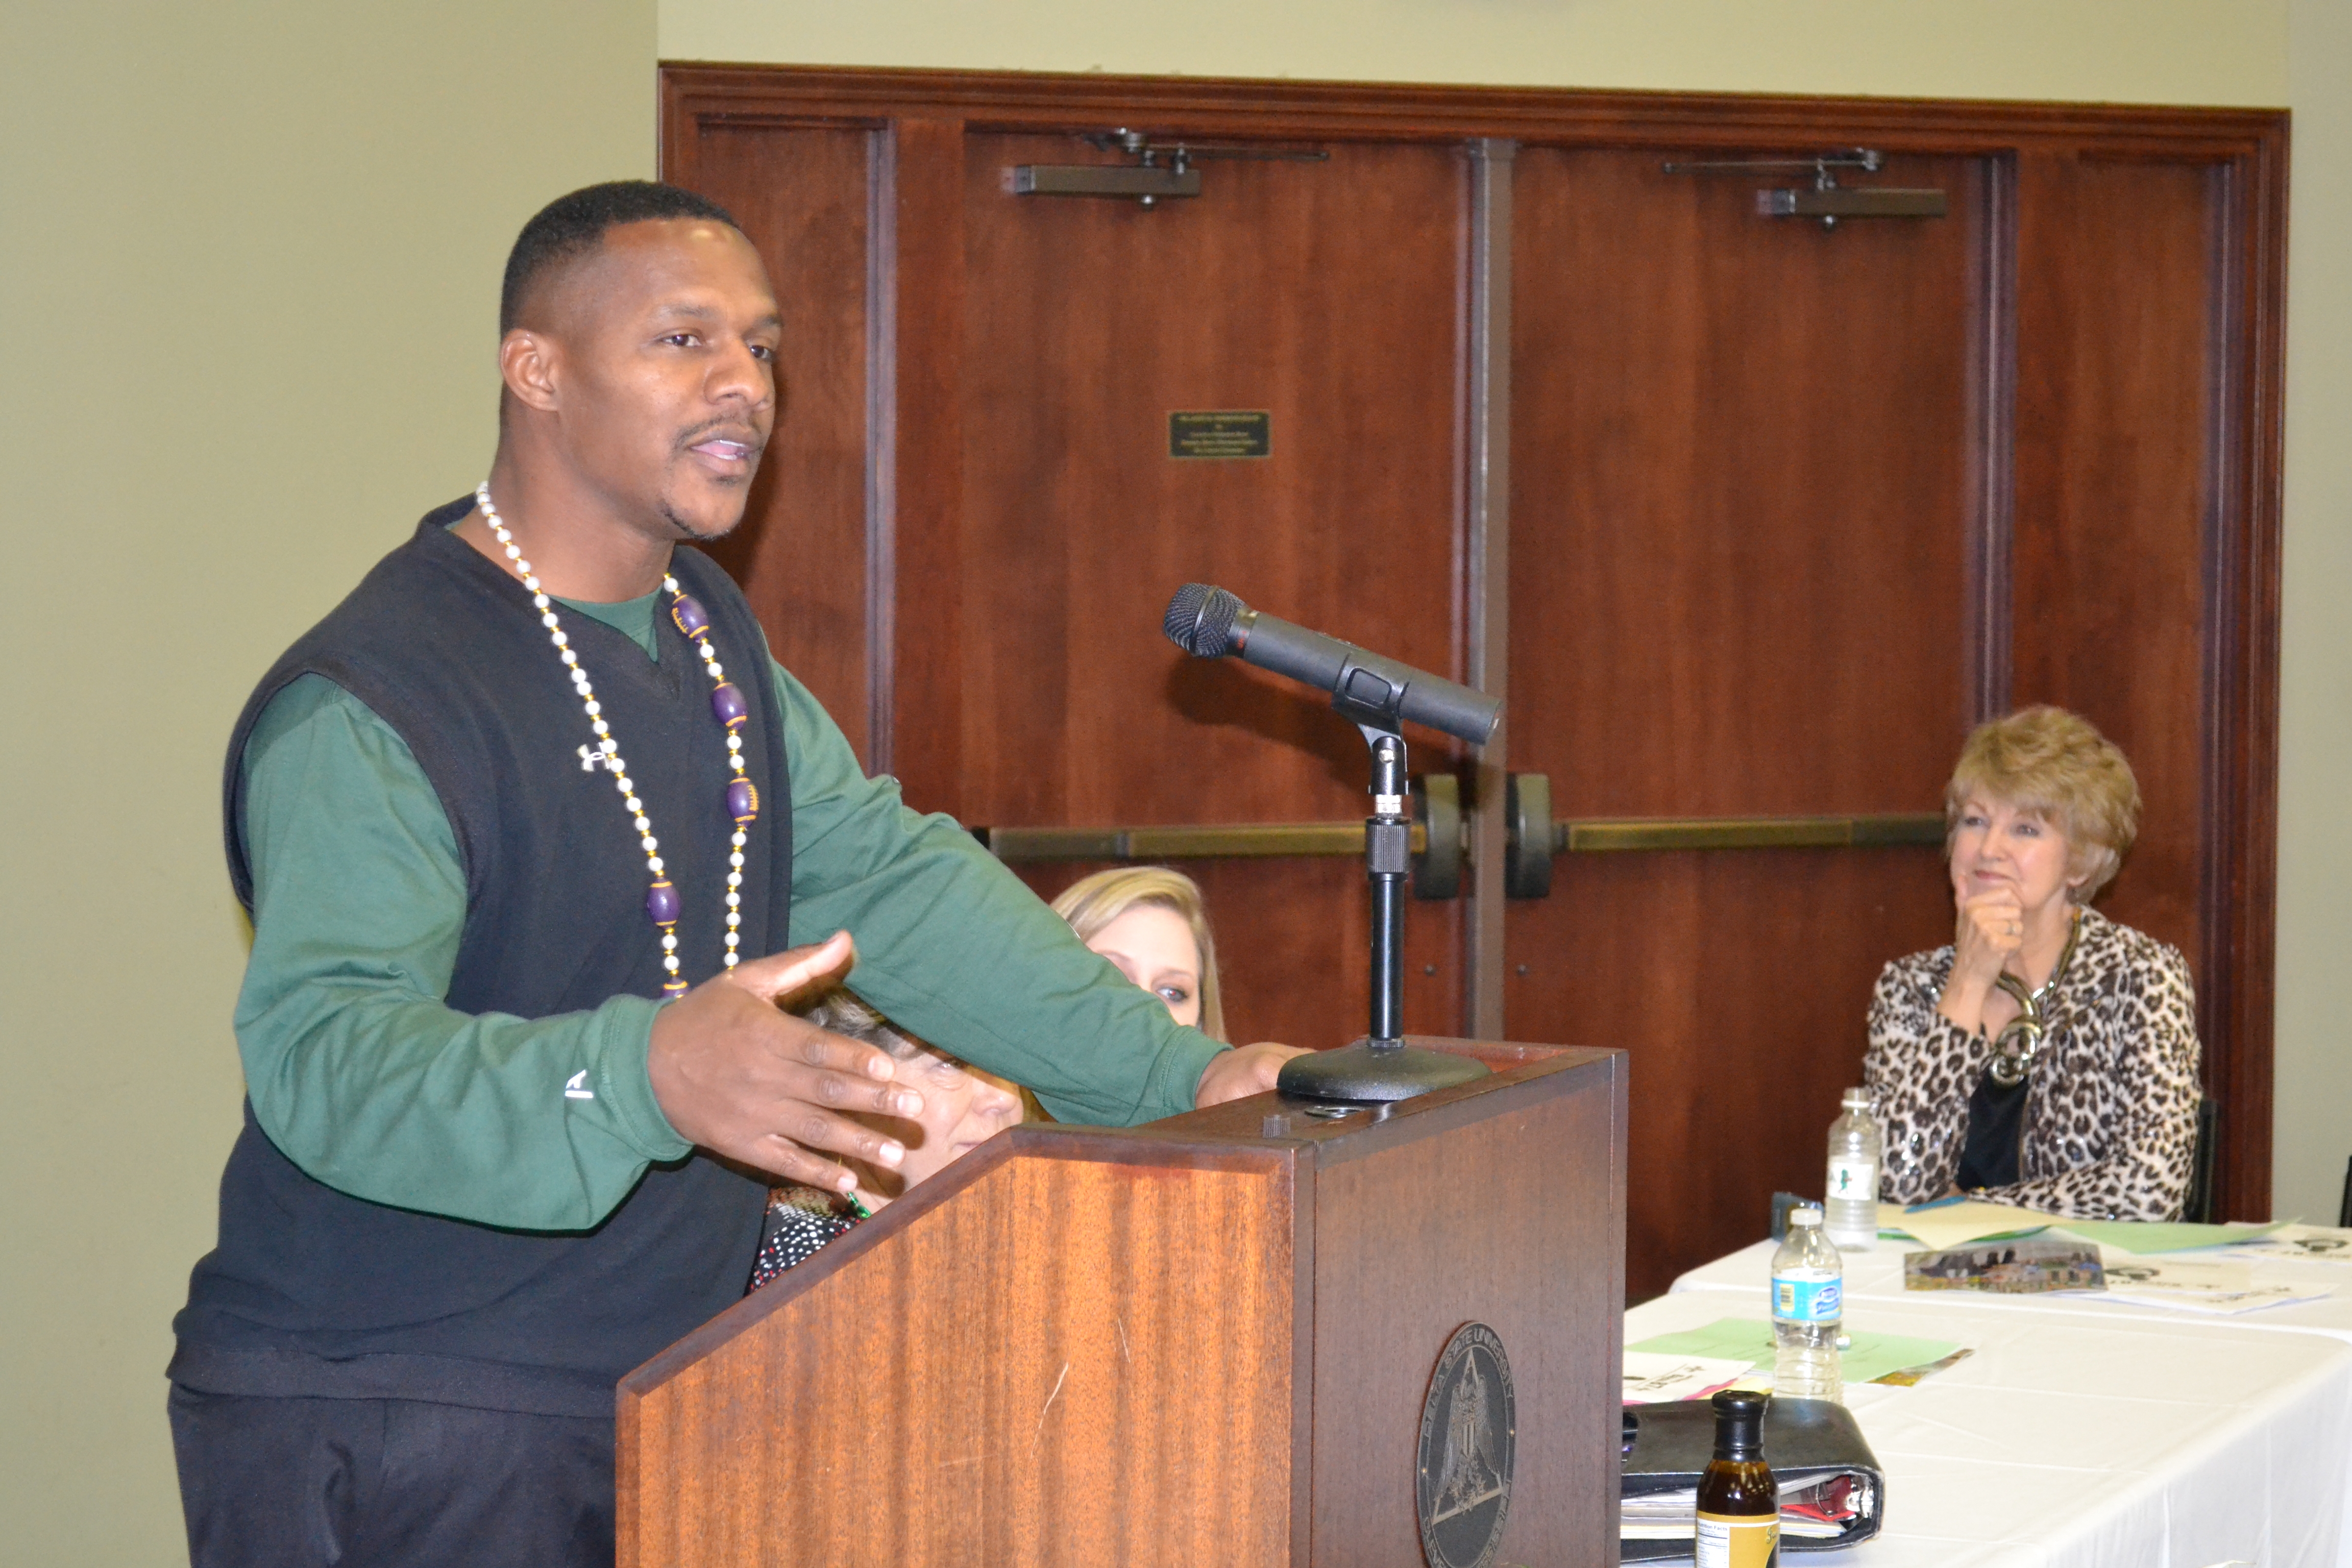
[2110,1123]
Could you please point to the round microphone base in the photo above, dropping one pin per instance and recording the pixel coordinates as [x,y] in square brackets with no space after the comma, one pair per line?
[1372,1075]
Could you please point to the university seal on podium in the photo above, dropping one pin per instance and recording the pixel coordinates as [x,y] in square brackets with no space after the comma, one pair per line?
[1469,1431]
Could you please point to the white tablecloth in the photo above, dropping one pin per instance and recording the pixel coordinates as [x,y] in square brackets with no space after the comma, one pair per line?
[1878,1276]
[2082,1434]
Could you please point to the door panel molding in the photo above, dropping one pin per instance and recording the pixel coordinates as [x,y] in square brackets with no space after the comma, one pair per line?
[2240,873]
[926,522]
[1988,589]
[1487,582]
[881,448]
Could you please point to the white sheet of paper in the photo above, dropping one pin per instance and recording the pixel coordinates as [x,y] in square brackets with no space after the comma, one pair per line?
[1651,1376]
[2291,1243]
[2222,1287]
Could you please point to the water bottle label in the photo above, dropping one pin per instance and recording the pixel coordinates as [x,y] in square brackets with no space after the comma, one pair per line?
[1798,1300]
[1853,1179]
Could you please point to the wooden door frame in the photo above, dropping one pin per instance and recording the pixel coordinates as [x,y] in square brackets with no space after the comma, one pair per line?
[919,301]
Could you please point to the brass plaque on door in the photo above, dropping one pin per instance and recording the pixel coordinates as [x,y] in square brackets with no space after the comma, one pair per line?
[1218,433]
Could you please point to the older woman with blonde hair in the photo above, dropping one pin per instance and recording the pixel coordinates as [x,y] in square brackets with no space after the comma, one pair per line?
[2048,1057]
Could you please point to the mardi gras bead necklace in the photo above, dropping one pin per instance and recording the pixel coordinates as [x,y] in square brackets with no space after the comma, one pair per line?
[727,706]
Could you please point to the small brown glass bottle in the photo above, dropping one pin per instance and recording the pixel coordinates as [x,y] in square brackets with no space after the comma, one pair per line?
[1738,1501]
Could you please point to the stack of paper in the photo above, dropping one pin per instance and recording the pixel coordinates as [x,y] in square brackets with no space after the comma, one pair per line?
[2293,1244]
[1821,1511]
[2224,1288]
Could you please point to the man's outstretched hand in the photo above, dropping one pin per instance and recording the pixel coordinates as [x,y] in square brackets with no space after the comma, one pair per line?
[741,1077]
[1242,1071]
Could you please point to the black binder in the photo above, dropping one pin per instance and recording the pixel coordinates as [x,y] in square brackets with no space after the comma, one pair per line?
[1805,1441]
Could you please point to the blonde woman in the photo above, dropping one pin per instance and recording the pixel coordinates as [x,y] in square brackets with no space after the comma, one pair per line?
[2048,1057]
[1150,922]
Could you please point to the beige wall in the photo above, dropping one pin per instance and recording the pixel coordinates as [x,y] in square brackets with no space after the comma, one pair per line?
[249,291]
[2314,1116]
[249,278]
[2163,51]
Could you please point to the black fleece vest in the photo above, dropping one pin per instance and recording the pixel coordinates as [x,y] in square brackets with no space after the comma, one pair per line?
[314,1292]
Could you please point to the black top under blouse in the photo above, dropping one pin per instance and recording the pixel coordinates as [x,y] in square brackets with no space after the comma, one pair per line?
[1996,1136]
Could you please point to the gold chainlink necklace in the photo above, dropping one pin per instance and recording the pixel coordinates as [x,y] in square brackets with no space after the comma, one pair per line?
[2015,1048]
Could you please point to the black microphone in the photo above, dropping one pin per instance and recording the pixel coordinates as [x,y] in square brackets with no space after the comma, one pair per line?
[1210,623]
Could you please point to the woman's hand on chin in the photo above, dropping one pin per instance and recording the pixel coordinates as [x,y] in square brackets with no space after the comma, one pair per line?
[1990,930]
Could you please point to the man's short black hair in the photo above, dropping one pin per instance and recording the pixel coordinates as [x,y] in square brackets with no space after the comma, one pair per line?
[571,227]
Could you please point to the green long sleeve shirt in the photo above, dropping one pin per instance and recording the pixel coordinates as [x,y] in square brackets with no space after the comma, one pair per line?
[364,1075]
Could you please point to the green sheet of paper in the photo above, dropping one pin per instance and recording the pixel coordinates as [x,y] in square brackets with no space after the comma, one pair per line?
[2146,1236]
[1869,1357]
[1955,1225]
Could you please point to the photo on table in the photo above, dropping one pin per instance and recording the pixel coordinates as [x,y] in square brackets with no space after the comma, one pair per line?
[2008,1268]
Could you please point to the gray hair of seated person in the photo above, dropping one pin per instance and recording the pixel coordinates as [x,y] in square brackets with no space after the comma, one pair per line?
[844,1011]
[2056,763]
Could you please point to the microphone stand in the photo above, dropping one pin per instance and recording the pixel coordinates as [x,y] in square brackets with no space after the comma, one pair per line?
[1381,1066]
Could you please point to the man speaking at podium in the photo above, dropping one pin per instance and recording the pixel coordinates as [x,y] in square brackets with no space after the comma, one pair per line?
[522,825]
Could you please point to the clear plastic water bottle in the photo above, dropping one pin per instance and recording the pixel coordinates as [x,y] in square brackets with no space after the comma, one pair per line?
[1808,1307]
[1850,1200]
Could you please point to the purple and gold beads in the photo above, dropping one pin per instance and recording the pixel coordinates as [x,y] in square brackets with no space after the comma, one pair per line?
[742,800]
[726,705]
[689,616]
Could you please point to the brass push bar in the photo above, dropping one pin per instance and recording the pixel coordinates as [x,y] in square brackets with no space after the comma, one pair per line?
[1873,831]
[1218,841]
[1207,841]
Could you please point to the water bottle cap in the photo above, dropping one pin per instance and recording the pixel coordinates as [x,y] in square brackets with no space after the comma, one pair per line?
[1856,1100]
[1807,1215]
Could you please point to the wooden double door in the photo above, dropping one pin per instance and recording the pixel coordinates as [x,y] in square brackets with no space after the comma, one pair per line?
[1749,518]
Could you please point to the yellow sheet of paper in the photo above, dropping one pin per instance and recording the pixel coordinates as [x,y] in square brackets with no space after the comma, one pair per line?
[1954,1225]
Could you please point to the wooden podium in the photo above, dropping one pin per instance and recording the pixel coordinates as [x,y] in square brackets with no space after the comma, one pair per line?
[1204,1341]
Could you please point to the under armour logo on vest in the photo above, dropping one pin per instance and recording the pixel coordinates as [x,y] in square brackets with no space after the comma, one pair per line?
[591,761]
